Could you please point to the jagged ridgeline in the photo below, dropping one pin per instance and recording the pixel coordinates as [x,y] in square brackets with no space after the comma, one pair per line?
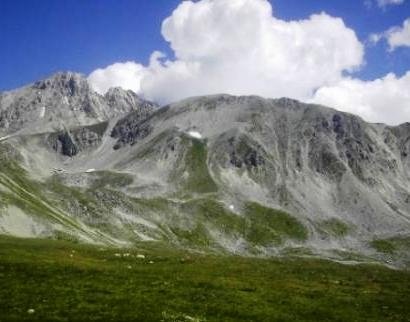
[242,175]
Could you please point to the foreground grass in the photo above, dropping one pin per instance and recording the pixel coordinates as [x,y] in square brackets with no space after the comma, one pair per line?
[62,281]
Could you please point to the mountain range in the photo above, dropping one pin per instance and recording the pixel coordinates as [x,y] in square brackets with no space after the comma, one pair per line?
[227,174]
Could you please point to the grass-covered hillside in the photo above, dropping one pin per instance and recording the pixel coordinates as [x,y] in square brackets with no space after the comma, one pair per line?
[44,280]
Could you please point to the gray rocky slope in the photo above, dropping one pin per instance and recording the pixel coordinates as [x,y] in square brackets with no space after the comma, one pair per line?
[233,174]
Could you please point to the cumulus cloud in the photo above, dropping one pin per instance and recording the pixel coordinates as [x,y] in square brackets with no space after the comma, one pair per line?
[239,47]
[385,100]
[398,36]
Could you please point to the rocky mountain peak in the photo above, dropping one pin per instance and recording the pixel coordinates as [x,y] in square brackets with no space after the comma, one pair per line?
[67,83]
[63,100]
[118,97]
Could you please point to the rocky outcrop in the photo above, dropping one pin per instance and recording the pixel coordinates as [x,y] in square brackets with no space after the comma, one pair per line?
[243,154]
[131,129]
[71,142]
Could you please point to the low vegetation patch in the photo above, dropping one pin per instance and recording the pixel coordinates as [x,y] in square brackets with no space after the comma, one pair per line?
[270,226]
[199,178]
[259,226]
[391,245]
[334,227]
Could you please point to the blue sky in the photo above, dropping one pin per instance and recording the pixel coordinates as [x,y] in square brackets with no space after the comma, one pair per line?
[39,38]
[353,55]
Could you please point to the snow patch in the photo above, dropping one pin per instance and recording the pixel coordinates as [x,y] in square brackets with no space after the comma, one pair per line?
[195,134]
[231,207]
[89,170]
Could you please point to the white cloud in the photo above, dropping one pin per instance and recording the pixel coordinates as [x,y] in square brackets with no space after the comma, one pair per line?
[395,36]
[384,100]
[375,38]
[127,75]
[384,3]
[399,36]
[239,47]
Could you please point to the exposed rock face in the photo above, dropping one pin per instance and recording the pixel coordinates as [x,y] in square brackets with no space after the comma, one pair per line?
[66,144]
[136,126]
[63,100]
[243,153]
[130,133]
[71,142]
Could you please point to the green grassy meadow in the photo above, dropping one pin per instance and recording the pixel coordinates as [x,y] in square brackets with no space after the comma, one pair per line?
[45,280]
